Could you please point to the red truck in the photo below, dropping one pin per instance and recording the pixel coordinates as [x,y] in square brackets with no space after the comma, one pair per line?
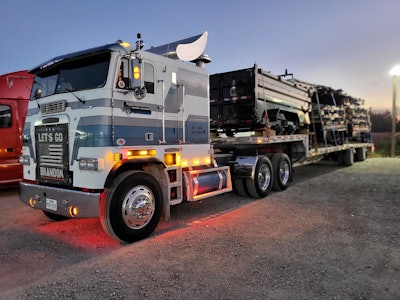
[15,89]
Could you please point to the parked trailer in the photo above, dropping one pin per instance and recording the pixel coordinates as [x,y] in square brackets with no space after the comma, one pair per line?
[14,97]
[122,134]
[281,123]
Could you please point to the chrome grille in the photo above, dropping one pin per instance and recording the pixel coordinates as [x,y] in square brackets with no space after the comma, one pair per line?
[53,107]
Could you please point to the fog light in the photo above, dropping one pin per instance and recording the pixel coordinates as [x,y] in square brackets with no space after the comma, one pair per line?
[73,211]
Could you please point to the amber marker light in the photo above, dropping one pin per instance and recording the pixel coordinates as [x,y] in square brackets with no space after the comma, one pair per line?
[170,159]
[73,211]
[136,72]
[32,202]
[117,156]
[142,152]
[125,44]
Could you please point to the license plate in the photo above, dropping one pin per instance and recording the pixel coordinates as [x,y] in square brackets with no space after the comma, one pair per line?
[51,204]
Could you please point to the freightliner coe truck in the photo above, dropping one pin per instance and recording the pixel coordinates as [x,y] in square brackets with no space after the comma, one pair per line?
[122,134]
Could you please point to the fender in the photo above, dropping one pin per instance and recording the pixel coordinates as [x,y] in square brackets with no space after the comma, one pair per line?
[131,164]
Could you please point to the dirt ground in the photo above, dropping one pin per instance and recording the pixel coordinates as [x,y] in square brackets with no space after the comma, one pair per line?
[334,234]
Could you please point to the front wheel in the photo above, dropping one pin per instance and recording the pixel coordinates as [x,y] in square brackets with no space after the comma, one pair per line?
[261,185]
[131,209]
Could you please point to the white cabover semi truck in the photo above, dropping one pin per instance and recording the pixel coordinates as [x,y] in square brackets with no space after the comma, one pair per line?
[120,133]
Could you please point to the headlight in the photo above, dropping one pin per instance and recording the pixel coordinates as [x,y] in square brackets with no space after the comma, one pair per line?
[25,160]
[88,164]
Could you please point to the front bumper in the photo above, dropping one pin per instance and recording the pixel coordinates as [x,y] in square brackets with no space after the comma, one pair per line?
[59,201]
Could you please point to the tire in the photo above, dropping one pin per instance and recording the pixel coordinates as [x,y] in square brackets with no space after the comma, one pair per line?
[131,209]
[263,178]
[54,217]
[282,170]
[361,154]
[240,187]
[347,157]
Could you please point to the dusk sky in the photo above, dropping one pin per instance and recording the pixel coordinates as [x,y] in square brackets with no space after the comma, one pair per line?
[345,44]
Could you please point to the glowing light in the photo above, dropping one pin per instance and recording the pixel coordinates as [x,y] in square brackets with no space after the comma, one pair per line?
[32,202]
[395,71]
[136,72]
[207,161]
[125,44]
[184,163]
[117,156]
[196,162]
[170,159]
[73,211]
[141,152]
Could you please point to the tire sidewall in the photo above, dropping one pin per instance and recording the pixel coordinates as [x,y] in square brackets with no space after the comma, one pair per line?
[277,160]
[123,184]
[263,161]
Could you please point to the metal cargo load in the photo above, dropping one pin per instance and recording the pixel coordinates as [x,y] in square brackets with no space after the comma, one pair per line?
[253,99]
[336,117]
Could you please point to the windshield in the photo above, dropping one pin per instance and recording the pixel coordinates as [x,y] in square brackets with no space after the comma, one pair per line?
[76,75]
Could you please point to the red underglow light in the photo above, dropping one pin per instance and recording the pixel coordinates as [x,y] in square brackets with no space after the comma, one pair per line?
[81,233]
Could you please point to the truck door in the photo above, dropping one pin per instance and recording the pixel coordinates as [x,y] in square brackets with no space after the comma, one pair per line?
[139,123]
[10,142]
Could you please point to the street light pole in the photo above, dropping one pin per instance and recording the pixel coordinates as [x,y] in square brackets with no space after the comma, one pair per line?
[394,117]
[395,72]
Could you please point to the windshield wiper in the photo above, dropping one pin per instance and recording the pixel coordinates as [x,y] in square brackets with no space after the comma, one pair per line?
[72,92]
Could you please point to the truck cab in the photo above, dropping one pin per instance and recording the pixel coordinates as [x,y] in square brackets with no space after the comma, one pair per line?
[120,133]
[14,97]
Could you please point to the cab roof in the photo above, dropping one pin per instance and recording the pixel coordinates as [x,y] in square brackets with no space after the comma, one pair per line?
[115,47]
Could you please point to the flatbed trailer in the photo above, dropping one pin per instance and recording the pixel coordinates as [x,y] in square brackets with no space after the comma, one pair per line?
[123,134]
[260,163]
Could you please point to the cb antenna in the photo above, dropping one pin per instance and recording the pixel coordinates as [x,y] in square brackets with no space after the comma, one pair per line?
[139,42]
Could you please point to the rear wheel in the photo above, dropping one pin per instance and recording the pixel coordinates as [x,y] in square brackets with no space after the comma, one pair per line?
[282,169]
[361,154]
[348,157]
[131,209]
[263,176]
[240,187]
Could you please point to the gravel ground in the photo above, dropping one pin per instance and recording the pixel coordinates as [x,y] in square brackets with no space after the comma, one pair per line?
[334,234]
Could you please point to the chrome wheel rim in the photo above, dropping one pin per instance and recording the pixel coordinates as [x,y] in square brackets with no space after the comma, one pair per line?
[138,207]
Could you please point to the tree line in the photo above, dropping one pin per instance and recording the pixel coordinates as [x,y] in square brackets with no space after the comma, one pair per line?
[382,121]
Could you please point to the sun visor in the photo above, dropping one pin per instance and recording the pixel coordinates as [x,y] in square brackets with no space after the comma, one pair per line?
[187,49]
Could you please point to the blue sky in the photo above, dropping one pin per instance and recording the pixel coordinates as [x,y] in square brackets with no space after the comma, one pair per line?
[350,44]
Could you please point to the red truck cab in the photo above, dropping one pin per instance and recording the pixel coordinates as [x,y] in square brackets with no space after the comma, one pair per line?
[15,90]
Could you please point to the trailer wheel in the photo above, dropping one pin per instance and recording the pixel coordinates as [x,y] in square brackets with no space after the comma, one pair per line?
[54,217]
[282,169]
[346,157]
[131,209]
[263,178]
[240,187]
[361,154]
